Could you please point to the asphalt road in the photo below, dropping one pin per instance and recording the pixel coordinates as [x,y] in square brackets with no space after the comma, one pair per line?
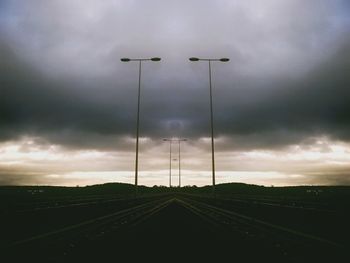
[173,233]
[177,234]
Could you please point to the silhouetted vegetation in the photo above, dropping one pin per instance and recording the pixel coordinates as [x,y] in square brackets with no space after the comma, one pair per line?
[128,189]
[13,194]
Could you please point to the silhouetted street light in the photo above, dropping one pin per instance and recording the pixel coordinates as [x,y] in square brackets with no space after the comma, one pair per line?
[180,140]
[138,111]
[170,141]
[194,59]
[179,159]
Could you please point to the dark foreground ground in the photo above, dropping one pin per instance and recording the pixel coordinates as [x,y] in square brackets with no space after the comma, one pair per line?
[175,234]
[174,226]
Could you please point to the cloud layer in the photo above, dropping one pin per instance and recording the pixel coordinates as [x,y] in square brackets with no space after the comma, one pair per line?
[62,82]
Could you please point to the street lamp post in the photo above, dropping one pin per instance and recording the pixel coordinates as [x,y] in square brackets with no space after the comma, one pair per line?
[140,60]
[194,59]
[179,159]
[180,140]
[170,141]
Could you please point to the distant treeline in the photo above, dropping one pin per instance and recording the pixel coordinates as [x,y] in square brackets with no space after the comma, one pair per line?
[129,189]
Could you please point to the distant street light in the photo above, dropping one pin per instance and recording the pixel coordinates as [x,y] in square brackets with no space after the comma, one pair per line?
[194,59]
[180,140]
[179,159]
[170,141]
[138,111]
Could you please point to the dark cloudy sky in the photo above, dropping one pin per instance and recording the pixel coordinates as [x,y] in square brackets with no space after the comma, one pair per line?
[68,105]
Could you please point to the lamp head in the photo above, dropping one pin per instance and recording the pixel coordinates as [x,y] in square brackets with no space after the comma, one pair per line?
[224,59]
[156,59]
[193,59]
[125,59]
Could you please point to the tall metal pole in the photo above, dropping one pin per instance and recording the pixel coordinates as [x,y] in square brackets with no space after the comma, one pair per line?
[180,140]
[138,129]
[170,165]
[138,112]
[194,59]
[179,164]
[212,129]
[170,159]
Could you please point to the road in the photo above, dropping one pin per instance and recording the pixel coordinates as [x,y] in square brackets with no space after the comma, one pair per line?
[174,228]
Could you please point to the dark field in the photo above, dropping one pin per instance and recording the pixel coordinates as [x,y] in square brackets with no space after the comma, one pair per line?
[239,223]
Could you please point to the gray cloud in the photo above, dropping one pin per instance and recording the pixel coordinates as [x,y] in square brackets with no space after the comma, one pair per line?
[19,178]
[287,80]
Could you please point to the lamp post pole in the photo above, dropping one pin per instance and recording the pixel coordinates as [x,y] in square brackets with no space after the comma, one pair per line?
[194,59]
[140,60]
[170,141]
[180,140]
[138,128]
[170,164]
[179,159]
[179,164]
[212,128]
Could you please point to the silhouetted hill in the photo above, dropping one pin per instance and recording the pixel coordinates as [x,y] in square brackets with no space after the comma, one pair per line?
[242,188]
[129,189]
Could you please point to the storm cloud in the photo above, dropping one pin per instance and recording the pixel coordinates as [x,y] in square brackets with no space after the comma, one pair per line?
[62,82]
